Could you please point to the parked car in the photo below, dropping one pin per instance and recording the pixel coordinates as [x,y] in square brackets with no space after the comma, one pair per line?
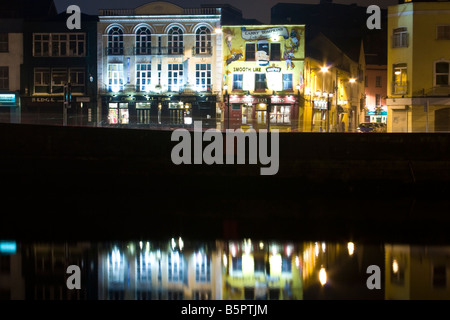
[366,127]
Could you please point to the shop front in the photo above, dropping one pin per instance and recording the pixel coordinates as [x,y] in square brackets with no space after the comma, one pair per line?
[159,110]
[262,112]
[320,115]
[9,107]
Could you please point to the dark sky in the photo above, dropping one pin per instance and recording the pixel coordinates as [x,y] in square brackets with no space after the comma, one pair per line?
[256,9]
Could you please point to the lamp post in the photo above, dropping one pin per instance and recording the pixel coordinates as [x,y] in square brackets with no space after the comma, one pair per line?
[351,81]
[227,98]
[298,106]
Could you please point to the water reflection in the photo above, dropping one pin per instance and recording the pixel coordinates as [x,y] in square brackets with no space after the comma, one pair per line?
[222,270]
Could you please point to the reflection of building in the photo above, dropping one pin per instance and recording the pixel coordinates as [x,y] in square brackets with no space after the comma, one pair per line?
[419,67]
[157,65]
[417,272]
[45,270]
[53,57]
[263,76]
[12,282]
[159,271]
[262,270]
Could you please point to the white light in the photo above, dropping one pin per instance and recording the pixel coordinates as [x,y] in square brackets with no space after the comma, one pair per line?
[187,120]
[225,260]
[322,276]
[180,243]
[323,246]
[173,243]
[352,80]
[394,266]
[297,261]
[115,89]
[140,244]
[261,245]
[274,249]
[233,251]
[351,248]
[324,69]
[316,249]
[288,250]
[218,30]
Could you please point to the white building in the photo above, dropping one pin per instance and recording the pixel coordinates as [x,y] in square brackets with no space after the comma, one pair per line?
[159,64]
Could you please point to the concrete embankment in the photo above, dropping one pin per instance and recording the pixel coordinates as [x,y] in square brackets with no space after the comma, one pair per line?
[70,182]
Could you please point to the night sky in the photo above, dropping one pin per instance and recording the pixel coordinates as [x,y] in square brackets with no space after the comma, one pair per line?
[251,9]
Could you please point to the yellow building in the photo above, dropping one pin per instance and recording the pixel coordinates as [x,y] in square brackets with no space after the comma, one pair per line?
[263,76]
[419,67]
[334,87]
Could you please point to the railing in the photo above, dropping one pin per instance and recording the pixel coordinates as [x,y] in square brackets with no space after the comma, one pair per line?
[158,51]
[434,91]
[400,87]
[132,12]
[113,51]
[201,51]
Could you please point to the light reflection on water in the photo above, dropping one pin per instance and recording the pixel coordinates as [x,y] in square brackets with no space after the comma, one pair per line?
[223,270]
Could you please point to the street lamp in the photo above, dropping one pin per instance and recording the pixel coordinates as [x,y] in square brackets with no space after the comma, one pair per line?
[227,98]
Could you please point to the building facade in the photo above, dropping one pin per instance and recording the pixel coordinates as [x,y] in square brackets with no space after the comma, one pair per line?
[418,67]
[53,57]
[158,65]
[375,82]
[263,76]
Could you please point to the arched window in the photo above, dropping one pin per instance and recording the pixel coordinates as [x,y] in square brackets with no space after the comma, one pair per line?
[175,41]
[202,41]
[442,73]
[115,41]
[143,41]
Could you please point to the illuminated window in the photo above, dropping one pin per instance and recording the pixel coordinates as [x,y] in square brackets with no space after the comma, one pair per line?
[143,268]
[237,81]
[443,32]
[260,81]
[175,41]
[400,79]
[202,268]
[175,76]
[286,265]
[202,41]
[400,38]
[280,114]
[175,267]
[287,81]
[115,41]
[442,72]
[143,76]
[203,76]
[115,77]
[143,41]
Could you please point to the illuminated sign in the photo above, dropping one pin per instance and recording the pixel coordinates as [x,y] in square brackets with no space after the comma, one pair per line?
[264,33]
[7,99]
[8,247]
[273,69]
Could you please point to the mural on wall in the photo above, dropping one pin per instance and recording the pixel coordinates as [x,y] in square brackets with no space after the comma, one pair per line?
[237,38]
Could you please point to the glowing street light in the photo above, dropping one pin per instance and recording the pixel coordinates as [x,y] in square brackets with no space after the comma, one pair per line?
[323,276]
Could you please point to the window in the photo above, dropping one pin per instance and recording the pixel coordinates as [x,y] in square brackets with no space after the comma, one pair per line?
[203,76]
[42,80]
[77,78]
[366,81]
[443,32]
[250,52]
[260,81]
[115,77]
[287,81]
[202,295]
[442,73]
[3,42]
[275,52]
[237,81]
[143,268]
[202,268]
[378,81]
[143,76]
[59,44]
[41,45]
[116,268]
[4,78]
[115,41]
[175,76]
[59,79]
[378,100]
[286,265]
[400,79]
[175,41]
[202,41]
[175,267]
[236,264]
[143,41]
[400,38]
[280,114]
